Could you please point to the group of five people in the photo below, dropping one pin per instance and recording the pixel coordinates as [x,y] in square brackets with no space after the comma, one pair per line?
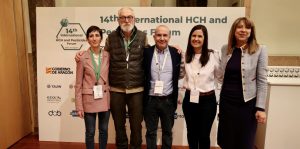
[130,74]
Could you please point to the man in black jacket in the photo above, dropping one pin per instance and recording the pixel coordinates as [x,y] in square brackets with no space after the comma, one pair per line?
[162,67]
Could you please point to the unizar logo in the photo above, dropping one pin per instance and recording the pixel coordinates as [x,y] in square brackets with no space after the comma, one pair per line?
[54,113]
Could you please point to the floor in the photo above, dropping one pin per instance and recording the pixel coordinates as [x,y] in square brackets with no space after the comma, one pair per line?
[32,142]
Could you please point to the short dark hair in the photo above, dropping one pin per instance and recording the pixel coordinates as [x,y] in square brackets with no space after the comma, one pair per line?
[93,29]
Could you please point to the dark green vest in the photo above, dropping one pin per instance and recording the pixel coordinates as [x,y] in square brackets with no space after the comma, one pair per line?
[119,75]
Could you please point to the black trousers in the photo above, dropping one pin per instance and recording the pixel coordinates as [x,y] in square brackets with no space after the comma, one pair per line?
[237,124]
[199,118]
[159,108]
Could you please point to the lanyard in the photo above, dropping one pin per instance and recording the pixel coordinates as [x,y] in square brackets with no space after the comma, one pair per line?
[160,68]
[96,68]
[127,45]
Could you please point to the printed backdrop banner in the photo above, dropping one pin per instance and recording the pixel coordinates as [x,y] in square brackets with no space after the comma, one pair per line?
[61,33]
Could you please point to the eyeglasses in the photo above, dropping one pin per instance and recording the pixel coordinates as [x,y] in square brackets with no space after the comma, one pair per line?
[123,18]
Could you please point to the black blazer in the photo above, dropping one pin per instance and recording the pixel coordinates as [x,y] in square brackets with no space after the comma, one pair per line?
[176,60]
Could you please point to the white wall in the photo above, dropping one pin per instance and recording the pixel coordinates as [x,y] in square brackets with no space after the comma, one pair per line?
[96,3]
[277,24]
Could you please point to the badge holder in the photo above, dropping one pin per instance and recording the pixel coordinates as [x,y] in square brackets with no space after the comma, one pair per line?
[194,96]
[98,93]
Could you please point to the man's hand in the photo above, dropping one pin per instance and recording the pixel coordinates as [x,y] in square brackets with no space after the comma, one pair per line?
[77,56]
[179,50]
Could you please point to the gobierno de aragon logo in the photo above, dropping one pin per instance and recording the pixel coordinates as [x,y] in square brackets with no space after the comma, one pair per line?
[70,36]
[59,70]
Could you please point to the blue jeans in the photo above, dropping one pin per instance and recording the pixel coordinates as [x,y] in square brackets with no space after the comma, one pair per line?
[90,122]
[159,108]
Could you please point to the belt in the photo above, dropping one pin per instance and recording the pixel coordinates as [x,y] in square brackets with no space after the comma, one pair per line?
[204,93]
[162,97]
[207,93]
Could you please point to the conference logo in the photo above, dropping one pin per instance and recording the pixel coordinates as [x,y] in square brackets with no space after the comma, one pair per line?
[59,70]
[53,99]
[54,113]
[70,36]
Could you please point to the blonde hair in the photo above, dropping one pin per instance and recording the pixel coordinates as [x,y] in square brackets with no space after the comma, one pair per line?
[252,44]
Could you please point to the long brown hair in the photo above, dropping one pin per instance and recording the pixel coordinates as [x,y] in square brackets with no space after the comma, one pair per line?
[190,53]
[251,43]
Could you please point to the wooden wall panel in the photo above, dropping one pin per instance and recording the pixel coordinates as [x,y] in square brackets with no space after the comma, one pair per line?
[14,100]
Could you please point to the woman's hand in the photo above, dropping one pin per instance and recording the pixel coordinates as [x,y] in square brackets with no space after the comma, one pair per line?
[261,117]
[80,114]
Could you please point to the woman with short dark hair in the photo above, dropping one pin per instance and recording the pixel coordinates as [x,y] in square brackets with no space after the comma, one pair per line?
[92,88]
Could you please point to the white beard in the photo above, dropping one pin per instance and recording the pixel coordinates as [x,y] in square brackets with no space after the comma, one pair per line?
[127,28]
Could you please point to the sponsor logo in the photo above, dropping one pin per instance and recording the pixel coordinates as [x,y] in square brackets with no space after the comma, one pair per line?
[58,70]
[53,86]
[54,113]
[71,86]
[74,113]
[178,116]
[53,99]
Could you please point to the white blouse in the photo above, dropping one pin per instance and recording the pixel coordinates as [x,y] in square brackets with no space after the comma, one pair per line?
[202,79]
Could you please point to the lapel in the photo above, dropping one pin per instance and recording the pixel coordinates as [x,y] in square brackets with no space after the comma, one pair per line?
[173,56]
[151,53]
[88,59]
[104,64]
[228,57]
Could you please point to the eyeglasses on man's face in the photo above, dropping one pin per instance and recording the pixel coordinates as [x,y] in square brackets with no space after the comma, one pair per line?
[123,18]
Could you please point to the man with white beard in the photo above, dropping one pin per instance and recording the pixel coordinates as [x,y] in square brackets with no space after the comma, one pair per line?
[126,78]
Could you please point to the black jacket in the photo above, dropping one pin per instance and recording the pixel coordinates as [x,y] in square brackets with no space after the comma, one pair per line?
[176,60]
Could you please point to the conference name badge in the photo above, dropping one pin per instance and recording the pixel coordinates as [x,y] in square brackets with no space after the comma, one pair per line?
[194,96]
[98,93]
[158,88]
